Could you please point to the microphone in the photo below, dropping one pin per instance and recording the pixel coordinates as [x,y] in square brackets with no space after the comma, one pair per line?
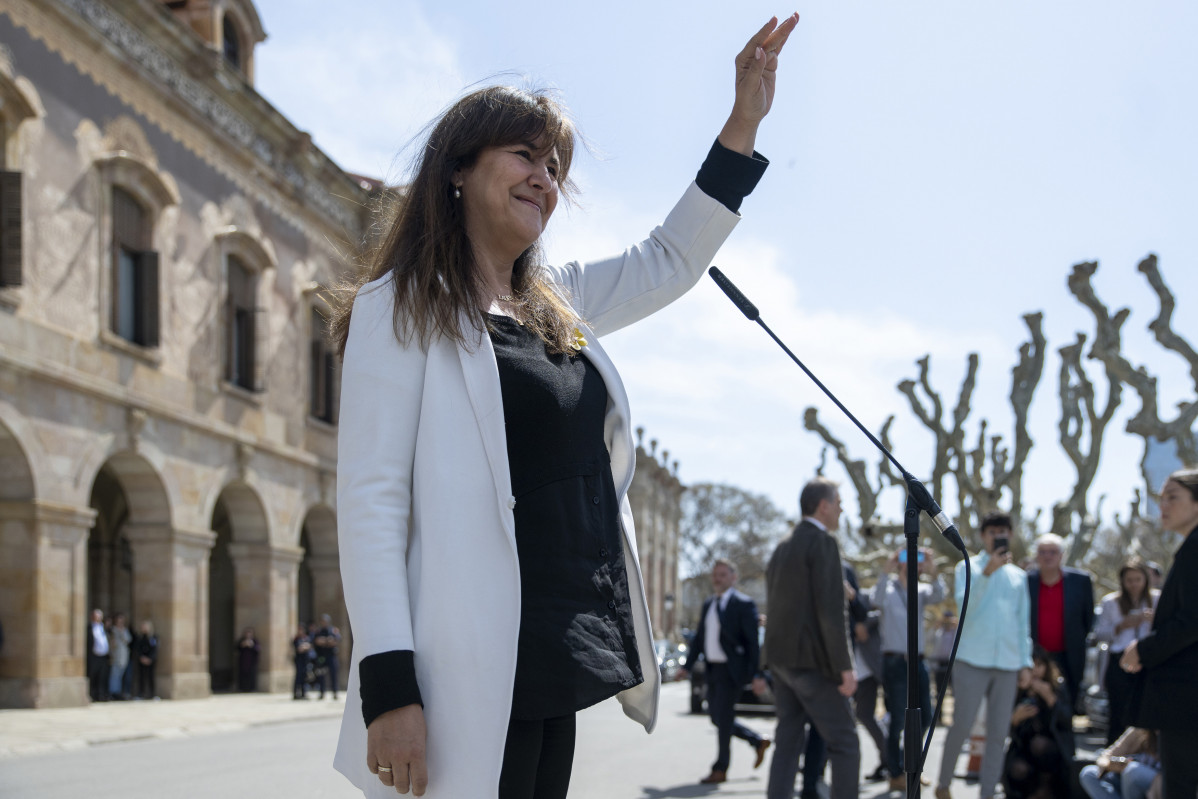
[917,490]
[943,523]
[738,299]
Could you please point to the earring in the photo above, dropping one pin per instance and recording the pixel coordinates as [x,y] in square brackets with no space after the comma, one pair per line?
[457,192]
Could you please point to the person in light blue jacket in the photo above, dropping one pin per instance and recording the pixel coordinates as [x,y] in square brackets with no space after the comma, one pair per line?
[996,646]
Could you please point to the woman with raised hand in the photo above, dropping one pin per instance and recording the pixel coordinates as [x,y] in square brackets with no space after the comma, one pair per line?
[485,452]
[1168,654]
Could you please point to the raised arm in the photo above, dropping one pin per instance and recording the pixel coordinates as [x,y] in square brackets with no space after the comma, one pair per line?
[756,74]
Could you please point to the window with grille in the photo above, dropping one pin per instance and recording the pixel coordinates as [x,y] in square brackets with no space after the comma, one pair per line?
[10,228]
[241,325]
[322,369]
[134,272]
[232,42]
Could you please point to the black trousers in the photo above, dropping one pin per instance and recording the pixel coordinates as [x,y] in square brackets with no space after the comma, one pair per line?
[97,677]
[1179,766]
[722,692]
[1119,691]
[330,673]
[145,680]
[537,758]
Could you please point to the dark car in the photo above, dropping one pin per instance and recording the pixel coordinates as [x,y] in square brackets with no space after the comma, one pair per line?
[1094,703]
[669,659]
[748,702]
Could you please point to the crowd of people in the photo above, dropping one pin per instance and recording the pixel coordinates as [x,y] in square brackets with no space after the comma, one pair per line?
[120,663]
[314,650]
[830,644]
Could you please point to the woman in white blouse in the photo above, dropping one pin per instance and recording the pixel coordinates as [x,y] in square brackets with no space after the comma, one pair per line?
[1126,616]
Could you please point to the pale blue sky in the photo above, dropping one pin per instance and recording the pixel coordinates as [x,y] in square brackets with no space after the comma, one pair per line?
[937,168]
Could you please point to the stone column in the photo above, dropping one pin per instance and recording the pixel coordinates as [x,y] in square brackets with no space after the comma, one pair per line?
[266,595]
[43,596]
[170,588]
[329,597]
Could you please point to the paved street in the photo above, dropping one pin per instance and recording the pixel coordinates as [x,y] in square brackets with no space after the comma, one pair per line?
[267,745]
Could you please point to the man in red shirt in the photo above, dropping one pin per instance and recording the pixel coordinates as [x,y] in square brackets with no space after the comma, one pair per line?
[1062,610]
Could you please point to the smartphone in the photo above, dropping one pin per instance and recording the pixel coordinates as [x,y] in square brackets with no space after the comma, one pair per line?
[1001,543]
[903,556]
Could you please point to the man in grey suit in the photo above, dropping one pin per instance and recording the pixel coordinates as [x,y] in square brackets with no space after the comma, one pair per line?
[807,646]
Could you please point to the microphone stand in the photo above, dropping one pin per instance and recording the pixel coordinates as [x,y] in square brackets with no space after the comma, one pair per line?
[918,501]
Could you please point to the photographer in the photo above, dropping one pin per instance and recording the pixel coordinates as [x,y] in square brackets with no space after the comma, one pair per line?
[1042,745]
[996,645]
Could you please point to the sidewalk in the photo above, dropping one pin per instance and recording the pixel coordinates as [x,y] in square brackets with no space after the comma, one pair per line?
[28,732]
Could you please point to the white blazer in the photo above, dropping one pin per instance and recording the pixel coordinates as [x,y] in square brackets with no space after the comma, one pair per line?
[424,504]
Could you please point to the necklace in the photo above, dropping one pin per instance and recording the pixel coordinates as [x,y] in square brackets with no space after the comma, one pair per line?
[505,297]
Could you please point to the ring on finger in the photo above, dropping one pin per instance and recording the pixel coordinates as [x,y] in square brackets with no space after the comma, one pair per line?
[384,770]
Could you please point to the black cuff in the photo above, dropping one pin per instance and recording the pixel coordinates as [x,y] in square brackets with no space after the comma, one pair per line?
[729,176]
[388,682]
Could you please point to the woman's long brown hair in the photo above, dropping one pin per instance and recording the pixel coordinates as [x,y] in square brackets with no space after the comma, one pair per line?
[426,252]
[1125,602]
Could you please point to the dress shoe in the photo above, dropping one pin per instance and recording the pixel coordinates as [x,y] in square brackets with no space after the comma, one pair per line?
[898,783]
[878,774]
[943,793]
[714,778]
[762,745]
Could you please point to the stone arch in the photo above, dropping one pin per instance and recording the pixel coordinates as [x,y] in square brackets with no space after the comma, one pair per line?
[239,581]
[18,581]
[132,522]
[318,589]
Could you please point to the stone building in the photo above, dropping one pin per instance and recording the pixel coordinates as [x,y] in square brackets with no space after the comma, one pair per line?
[167,397]
[167,445]
[656,500]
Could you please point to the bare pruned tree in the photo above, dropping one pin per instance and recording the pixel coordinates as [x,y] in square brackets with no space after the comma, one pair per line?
[867,493]
[1107,348]
[1080,417]
[975,494]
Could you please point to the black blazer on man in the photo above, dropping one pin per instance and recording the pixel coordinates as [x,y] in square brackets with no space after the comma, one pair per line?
[738,636]
[1079,618]
[1169,653]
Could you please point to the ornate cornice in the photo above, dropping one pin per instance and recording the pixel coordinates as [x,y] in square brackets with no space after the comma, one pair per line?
[168,80]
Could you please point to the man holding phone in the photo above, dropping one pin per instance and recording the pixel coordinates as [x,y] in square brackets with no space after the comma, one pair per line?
[996,645]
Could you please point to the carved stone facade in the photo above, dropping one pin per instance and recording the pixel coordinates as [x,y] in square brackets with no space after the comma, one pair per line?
[167,403]
[159,453]
[656,499]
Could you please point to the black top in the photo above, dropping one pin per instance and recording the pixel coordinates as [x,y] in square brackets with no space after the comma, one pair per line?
[600,642]
[577,645]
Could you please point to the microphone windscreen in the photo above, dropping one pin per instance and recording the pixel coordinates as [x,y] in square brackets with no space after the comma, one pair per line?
[738,299]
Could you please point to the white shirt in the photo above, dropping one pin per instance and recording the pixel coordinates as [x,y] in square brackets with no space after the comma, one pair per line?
[1111,618]
[711,639]
[100,639]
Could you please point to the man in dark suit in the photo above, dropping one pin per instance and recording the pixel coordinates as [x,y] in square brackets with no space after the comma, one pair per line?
[807,646]
[1062,611]
[727,640]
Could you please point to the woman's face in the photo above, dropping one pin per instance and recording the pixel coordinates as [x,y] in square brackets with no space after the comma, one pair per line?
[1134,583]
[1179,509]
[508,196]
[1039,669]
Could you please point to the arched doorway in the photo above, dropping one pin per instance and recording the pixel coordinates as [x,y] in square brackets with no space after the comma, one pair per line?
[222,603]
[126,568]
[240,585]
[19,587]
[305,588]
[319,581]
[109,553]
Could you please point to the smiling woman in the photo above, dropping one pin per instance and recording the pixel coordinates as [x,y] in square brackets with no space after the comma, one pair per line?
[485,452]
